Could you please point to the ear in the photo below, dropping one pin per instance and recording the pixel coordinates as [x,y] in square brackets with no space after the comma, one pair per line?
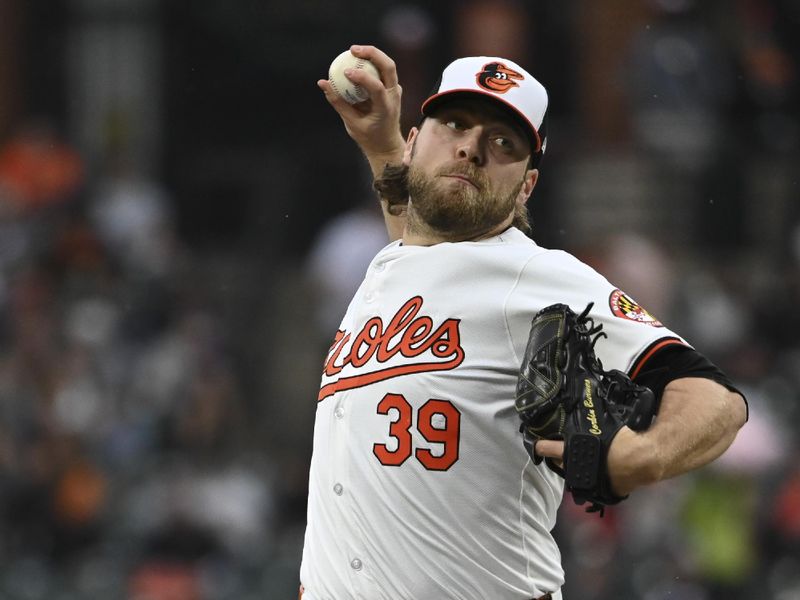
[412,136]
[525,191]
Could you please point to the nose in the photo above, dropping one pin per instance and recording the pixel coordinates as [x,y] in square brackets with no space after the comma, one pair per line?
[470,147]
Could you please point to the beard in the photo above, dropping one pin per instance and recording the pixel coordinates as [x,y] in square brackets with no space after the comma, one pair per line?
[458,210]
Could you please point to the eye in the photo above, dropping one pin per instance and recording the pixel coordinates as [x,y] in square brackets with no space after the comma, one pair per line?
[504,142]
[455,124]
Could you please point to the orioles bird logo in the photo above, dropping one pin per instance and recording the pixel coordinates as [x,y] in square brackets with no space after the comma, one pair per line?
[496,77]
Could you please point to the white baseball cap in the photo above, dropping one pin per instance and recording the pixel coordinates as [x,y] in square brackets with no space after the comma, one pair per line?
[502,80]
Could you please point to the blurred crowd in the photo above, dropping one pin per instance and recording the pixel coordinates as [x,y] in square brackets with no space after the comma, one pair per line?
[127,460]
[137,457]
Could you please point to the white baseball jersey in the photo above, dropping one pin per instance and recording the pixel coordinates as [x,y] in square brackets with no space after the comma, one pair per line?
[420,486]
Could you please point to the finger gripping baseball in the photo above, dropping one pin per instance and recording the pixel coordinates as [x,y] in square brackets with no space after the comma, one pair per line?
[564,393]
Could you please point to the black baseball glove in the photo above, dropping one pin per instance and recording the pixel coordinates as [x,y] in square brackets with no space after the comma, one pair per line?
[563,393]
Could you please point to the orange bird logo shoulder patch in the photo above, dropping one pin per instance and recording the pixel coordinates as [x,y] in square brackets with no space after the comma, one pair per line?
[498,78]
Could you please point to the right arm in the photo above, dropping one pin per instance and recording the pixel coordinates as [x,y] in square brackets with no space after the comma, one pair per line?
[374,124]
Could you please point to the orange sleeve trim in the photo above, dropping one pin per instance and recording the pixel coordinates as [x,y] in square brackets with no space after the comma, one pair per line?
[650,351]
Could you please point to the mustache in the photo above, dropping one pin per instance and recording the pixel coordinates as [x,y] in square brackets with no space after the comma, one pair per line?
[467,170]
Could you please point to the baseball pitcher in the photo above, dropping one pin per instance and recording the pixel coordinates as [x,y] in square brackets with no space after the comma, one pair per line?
[476,375]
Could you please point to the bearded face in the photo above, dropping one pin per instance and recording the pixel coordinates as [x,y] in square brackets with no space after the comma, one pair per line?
[458,200]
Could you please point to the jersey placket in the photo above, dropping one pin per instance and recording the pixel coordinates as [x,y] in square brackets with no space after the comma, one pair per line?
[345,494]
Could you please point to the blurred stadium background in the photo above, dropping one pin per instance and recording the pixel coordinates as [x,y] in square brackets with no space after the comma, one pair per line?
[183,218]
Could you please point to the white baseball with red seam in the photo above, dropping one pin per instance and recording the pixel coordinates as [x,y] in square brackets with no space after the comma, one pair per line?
[351,92]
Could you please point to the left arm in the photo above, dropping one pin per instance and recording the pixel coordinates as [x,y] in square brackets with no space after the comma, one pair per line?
[697,421]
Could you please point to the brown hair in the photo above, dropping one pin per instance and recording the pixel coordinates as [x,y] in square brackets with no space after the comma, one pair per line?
[392,186]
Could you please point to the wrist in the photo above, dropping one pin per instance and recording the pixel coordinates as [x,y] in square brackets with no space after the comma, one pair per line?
[389,152]
[632,462]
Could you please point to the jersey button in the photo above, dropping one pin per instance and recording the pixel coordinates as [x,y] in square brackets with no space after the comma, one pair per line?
[356,564]
[369,297]
[339,412]
[338,489]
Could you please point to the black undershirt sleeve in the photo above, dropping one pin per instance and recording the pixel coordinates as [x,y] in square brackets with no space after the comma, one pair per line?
[674,361]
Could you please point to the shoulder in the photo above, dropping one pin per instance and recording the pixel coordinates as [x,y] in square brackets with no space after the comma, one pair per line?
[559,265]
[539,257]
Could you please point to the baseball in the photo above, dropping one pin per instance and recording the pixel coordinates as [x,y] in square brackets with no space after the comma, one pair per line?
[351,92]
